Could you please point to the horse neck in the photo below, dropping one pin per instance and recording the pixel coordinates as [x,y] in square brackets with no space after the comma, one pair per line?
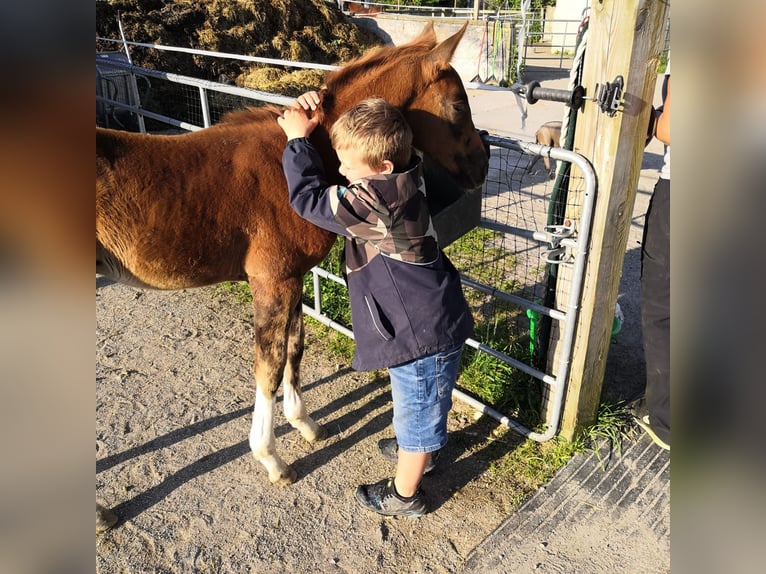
[388,81]
[321,140]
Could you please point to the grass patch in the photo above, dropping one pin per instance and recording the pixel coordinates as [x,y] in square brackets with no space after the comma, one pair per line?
[613,424]
[532,463]
[473,250]
[335,301]
[496,383]
[499,324]
[521,465]
[336,344]
[239,291]
[526,465]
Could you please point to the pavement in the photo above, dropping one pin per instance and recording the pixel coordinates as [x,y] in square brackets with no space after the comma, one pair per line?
[603,512]
[606,510]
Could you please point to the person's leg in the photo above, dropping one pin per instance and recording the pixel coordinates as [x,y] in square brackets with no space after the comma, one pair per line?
[422,397]
[409,471]
[655,309]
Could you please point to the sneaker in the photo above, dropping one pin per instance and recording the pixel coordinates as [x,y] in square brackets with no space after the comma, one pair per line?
[389,448]
[382,498]
[643,422]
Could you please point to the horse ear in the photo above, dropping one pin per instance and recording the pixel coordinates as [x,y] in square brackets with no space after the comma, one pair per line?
[443,52]
[427,34]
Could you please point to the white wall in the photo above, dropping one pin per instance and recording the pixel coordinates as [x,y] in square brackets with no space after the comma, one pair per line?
[563,34]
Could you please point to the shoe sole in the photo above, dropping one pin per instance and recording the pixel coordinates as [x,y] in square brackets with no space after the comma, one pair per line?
[657,440]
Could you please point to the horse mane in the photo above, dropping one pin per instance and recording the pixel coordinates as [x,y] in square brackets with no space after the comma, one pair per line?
[374,59]
[380,56]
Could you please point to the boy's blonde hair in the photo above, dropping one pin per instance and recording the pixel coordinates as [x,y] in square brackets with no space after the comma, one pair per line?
[376,128]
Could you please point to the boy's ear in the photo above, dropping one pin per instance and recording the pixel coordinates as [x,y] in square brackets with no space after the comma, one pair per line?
[386,166]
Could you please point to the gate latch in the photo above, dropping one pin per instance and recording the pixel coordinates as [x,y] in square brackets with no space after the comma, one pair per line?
[561,239]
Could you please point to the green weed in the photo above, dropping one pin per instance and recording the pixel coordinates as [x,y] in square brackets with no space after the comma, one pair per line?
[238,290]
[613,424]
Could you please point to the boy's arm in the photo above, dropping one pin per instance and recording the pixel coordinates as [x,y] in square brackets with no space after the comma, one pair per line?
[311,196]
[346,212]
[349,211]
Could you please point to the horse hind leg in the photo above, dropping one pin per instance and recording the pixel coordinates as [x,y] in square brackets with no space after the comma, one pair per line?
[294,407]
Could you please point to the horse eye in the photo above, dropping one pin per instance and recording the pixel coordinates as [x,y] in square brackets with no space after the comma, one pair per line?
[459,107]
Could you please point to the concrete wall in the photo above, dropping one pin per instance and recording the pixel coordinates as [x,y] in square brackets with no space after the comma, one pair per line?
[471,58]
[563,29]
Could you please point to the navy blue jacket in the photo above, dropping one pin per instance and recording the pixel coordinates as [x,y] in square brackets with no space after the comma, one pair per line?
[406,297]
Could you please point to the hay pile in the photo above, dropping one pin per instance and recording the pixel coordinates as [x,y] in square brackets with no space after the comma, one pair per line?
[300,30]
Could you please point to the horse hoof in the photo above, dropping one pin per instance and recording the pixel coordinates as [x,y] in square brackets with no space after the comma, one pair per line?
[105,519]
[286,478]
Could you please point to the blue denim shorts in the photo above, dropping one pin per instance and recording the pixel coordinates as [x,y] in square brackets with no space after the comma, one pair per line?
[422,395]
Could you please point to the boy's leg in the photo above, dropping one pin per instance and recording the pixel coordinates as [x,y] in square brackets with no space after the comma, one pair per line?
[409,471]
[422,396]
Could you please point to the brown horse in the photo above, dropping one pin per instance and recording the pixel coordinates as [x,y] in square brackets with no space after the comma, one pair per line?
[182,211]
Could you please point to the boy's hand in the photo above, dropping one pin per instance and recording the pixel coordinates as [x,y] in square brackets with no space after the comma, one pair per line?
[308,101]
[296,124]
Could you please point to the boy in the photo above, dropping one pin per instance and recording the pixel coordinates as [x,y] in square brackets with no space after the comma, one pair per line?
[407,305]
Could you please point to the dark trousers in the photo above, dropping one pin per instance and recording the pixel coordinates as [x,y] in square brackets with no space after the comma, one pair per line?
[655,308]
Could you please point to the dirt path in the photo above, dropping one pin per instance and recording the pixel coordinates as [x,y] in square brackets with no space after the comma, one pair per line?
[173,409]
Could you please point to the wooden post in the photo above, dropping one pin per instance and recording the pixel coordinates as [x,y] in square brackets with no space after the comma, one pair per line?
[625,38]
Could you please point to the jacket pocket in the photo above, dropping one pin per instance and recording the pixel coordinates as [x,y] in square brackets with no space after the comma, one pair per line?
[379,321]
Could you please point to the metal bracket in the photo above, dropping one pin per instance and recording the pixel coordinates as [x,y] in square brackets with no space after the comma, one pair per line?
[561,239]
[609,96]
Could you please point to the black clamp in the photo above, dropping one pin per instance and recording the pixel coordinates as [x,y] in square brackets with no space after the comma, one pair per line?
[609,96]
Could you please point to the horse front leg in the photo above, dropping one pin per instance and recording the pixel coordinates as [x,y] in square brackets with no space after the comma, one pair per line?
[271,306]
[294,407]
[278,337]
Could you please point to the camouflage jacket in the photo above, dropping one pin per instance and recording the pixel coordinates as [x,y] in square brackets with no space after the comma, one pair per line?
[406,297]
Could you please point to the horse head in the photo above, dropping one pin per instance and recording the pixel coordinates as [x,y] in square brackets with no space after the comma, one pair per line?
[418,78]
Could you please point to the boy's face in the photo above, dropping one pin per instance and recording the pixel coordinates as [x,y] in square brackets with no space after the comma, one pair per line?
[353,166]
